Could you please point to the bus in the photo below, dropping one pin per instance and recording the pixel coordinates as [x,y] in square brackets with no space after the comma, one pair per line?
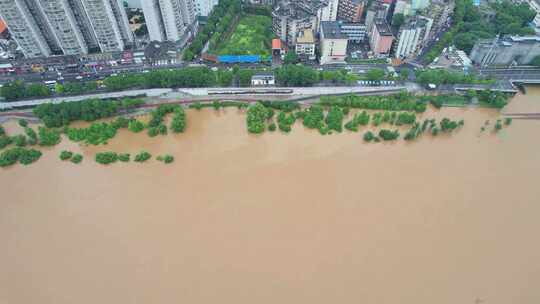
[50,83]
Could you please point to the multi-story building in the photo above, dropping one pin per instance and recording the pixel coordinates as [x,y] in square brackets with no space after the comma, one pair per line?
[356,32]
[288,21]
[412,35]
[333,43]
[109,21]
[403,7]
[168,19]
[290,17]
[60,16]
[419,4]
[506,50]
[377,11]
[204,7]
[535,6]
[24,28]
[351,10]
[260,2]
[381,38]
[69,27]
[305,45]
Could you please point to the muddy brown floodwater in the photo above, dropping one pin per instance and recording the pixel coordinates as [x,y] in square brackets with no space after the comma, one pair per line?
[298,218]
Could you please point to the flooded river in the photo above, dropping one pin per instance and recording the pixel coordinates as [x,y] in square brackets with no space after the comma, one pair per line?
[298,218]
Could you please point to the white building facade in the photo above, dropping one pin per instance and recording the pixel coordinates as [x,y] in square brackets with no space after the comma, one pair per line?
[168,19]
[204,7]
[68,27]
[333,44]
[411,37]
[24,28]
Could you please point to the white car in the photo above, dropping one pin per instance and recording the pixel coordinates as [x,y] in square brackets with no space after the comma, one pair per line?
[79,77]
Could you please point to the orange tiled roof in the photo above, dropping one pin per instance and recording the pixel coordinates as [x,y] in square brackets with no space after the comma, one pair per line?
[276,44]
[3,26]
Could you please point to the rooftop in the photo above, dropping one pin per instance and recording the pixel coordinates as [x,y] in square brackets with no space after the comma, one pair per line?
[3,26]
[263,75]
[332,30]
[383,28]
[276,44]
[305,36]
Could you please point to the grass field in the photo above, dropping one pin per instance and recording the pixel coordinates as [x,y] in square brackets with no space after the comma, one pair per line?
[252,36]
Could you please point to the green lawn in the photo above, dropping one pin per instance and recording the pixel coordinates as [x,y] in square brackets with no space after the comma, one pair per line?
[252,36]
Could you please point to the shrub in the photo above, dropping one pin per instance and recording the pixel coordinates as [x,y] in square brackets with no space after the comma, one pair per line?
[28,156]
[77,159]
[135,126]
[142,157]
[65,155]
[97,133]
[257,115]
[158,114]
[368,136]
[405,118]
[5,141]
[32,136]
[436,102]
[23,123]
[413,132]
[197,106]
[166,158]
[19,140]
[448,125]
[106,157]
[57,115]
[178,123]
[153,131]
[272,127]
[377,117]
[124,157]
[397,102]
[498,125]
[508,121]
[48,137]
[22,155]
[285,121]
[388,134]
[334,119]
[314,117]
[120,123]
[285,106]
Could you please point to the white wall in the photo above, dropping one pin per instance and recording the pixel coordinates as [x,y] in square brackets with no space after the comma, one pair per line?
[135,3]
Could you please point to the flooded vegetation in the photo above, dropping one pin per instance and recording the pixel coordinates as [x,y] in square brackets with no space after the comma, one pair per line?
[279,218]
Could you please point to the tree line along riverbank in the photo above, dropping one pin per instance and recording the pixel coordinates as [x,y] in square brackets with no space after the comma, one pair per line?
[287,75]
[395,116]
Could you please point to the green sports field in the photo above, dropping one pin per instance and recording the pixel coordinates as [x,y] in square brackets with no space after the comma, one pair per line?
[252,36]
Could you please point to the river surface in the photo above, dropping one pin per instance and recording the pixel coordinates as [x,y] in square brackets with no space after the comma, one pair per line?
[298,218]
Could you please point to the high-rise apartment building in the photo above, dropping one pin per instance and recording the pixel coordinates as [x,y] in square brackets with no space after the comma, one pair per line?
[420,4]
[168,19]
[204,7]
[69,27]
[412,35]
[109,21]
[381,38]
[24,28]
[351,10]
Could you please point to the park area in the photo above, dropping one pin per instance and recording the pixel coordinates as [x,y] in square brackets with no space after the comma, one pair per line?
[252,36]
